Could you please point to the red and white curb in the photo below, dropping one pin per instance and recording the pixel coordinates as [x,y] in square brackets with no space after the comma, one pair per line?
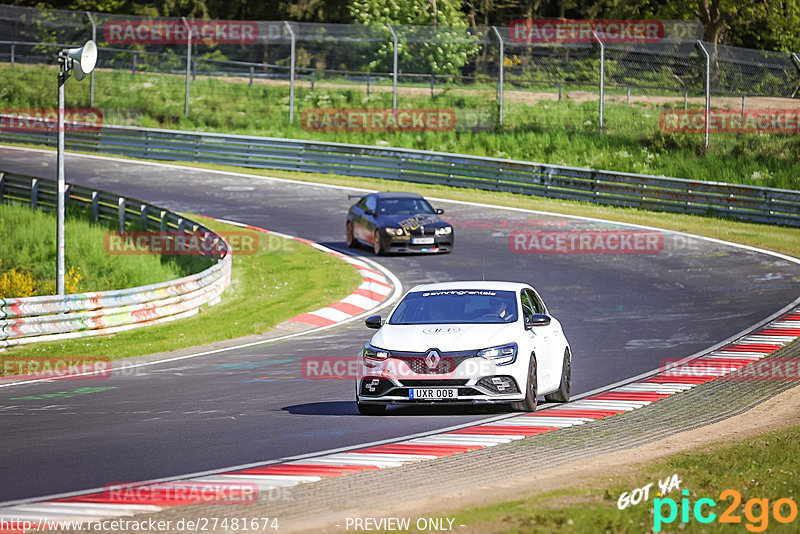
[711,366]
[375,289]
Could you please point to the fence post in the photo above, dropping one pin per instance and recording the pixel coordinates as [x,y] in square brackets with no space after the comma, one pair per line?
[35,194]
[313,75]
[121,214]
[134,61]
[559,91]
[291,74]
[13,49]
[2,185]
[194,69]
[686,100]
[188,64]
[432,81]
[708,85]
[602,76]
[95,206]
[743,104]
[367,81]
[628,99]
[252,72]
[502,70]
[796,59]
[394,70]
[94,38]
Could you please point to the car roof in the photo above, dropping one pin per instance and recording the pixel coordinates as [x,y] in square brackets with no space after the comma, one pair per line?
[390,194]
[472,284]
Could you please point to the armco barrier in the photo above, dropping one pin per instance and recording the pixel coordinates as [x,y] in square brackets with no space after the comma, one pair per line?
[49,318]
[758,204]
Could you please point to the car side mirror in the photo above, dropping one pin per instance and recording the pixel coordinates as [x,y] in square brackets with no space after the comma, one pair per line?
[369,212]
[537,319]
[373,321]
[439,211]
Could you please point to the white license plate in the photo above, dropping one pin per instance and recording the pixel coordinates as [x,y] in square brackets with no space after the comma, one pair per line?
[422,240]
[433,393]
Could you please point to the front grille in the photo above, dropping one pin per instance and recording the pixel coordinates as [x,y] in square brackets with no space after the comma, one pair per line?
[447,363]
[423,231]
[434,383]
[506,384]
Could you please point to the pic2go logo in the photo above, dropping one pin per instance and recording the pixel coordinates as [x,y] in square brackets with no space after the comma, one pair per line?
[756,511]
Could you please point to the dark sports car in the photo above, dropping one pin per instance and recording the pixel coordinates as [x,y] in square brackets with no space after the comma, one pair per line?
[397,222]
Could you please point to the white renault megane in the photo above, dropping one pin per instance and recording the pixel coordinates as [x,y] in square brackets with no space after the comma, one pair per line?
[465,343]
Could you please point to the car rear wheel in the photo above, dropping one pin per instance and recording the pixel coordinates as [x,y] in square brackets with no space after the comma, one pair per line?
[371,409]
[563,391]
[531,391]
[377,245]
[348,235]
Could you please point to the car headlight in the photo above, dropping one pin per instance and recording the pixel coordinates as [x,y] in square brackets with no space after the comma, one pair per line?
[374,354]
[447,230]
[502,355]
[393,231]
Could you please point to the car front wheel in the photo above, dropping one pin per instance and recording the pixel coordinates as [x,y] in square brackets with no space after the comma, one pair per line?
[531,391]
[377,245]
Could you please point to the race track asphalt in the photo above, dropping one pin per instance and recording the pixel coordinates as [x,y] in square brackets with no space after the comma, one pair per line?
[624,314]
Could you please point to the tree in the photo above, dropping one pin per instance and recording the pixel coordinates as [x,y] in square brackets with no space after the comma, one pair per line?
[433,36]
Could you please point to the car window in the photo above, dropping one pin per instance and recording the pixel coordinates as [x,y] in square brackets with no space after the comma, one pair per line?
[362,203]
[528,307]
[389,206]
[371,203]
[538,304]
[459,306]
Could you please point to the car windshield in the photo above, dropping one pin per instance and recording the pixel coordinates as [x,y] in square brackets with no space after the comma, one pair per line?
[478,306]
[391,206]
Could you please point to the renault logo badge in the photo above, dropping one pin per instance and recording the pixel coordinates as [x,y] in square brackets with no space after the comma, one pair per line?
[432,359]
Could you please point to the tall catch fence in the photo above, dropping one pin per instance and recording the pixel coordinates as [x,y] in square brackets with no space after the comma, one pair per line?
[411,62]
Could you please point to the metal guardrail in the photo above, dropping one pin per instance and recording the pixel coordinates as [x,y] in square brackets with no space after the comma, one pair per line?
[56,317]
[751,203]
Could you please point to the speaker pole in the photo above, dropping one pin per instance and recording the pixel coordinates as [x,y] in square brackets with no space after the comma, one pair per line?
[63,74]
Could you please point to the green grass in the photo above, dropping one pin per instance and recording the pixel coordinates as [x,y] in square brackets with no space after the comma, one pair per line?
[282,279]
[550,132]
[763,467]
[28,246]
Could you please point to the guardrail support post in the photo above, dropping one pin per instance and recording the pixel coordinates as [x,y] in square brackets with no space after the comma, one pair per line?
[502,72]
[35,194]
[134,61]
[13,49]
[162,221]
[94,38]
[559,91]
[367,82]
[252,72]
[708,85]
[394,70]
[143,211]
[95,206]
[313,75]
[291,73]
[602,76]
[2,185]
[188,64]
[121,214]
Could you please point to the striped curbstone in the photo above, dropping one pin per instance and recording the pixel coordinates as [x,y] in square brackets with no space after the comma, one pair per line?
[373,291]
